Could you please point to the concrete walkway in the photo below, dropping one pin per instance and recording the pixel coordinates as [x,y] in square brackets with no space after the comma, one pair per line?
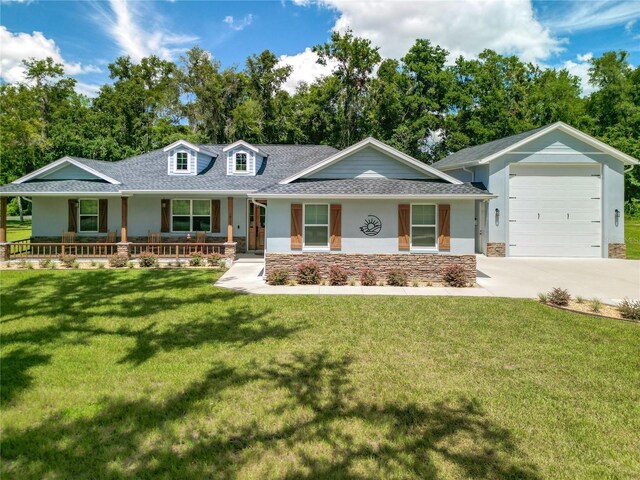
[607,279]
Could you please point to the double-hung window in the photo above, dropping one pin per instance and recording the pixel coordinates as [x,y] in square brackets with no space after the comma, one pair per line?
[182,162]
[316,226]
[423,227]
[241,162]
[190,215]
[88,213]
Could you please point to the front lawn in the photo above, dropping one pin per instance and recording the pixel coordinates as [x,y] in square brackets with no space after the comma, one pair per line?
[632,237]
[139,374]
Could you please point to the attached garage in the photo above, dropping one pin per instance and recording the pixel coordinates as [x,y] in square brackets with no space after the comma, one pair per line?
[555,210]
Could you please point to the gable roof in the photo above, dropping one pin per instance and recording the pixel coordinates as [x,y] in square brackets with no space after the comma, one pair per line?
[93,167]
[247,145]
[486,152]
[378,145]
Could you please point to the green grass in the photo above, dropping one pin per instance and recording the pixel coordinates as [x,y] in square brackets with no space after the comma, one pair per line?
[632,237]
[140,374]
[18,231]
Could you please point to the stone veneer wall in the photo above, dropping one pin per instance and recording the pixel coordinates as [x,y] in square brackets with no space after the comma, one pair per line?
[240,241]
[421,267]
[617,250]
[496,250]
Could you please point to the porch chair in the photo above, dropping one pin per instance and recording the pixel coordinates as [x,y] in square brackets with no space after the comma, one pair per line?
[201,237]
[154,237]
[68,237]
[111,238]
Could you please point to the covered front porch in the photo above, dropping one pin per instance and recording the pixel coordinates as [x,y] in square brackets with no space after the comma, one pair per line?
[92,228]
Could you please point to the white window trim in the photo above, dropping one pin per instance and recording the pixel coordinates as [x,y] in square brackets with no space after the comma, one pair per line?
[97,215]
[248,157]
[190,200]
[315,248]
[175,162]
[420,249]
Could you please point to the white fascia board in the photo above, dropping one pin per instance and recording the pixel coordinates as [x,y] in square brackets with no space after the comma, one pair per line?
[574,132]
[383,147]
[61,194]
[187,192]
[376,197]
[244,144]
[59,164]
[181,143]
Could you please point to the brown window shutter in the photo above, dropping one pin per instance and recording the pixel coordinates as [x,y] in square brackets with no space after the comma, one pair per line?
[165,219]
[444,227]
[103,208]
[404,225]
[73,215]
[335,226]
[215,215]
[296,226]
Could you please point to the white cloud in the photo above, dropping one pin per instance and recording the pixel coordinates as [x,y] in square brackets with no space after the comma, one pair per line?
[19,46]
[628,27]
[238,25]
[140,31]
[463,27]
[305,69]
[580,68]
[88,89]
[586,15]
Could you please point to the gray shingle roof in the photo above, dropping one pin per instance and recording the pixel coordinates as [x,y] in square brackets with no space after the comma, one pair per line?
[373,186]
[470,155]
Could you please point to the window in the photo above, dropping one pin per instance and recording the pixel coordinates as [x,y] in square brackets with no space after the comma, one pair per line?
[423,227]
[182,162]
[190,215]
[88,213]
[241,162]
[316,226]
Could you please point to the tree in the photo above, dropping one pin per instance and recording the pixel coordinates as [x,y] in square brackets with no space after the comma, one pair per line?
[355,61]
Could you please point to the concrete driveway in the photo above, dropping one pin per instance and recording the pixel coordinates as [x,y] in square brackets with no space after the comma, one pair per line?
[607,279]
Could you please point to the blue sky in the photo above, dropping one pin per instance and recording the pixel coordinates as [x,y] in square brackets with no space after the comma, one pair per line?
[87,35]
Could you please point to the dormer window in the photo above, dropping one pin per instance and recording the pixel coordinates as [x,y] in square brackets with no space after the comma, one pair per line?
[182,162]
[241,162]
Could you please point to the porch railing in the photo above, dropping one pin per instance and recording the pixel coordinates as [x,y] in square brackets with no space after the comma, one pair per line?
[28,249]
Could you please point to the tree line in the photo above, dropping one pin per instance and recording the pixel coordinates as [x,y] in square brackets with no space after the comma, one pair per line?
[420,104]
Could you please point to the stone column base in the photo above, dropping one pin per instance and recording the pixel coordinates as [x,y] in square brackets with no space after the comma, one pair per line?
[123,248]
[5,251]
[617,250]
[229,252]
[496,250]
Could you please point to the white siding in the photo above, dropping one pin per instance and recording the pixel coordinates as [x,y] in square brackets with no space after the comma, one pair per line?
[369,163]
[354,213]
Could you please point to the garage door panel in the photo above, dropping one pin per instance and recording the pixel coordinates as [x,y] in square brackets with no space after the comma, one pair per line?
[554,211]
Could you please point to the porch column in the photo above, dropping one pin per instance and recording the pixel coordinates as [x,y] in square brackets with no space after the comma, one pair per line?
[230,219]
[125,215]
[5,247]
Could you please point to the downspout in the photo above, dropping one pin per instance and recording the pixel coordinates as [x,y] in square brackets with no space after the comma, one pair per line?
[472,172]
[264,253]
[630,168]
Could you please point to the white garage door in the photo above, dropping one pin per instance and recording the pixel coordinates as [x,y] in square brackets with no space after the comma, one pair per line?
[554,211]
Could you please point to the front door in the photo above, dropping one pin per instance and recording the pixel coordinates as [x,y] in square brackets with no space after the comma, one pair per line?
[257,222]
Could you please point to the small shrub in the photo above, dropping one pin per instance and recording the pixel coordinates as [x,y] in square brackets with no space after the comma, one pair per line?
[118,260]
[196,259]
[25,264]
[595,305]
[381,283]
[215,259]
[178,263]
[415,283]
[93,263]
[101,265]
[148,260]
[397,278]
[308,273]
[352,282]
[337,275]
[543,298]
[455,276]
[131,265]
[45,263]
[429,284]
[75,264]
[579,299]
[630,309]
[559,296]
[278,277]
[368,278]
[68,261]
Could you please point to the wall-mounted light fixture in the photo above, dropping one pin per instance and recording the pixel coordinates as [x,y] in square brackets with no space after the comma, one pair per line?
[616,217]
[497,217]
